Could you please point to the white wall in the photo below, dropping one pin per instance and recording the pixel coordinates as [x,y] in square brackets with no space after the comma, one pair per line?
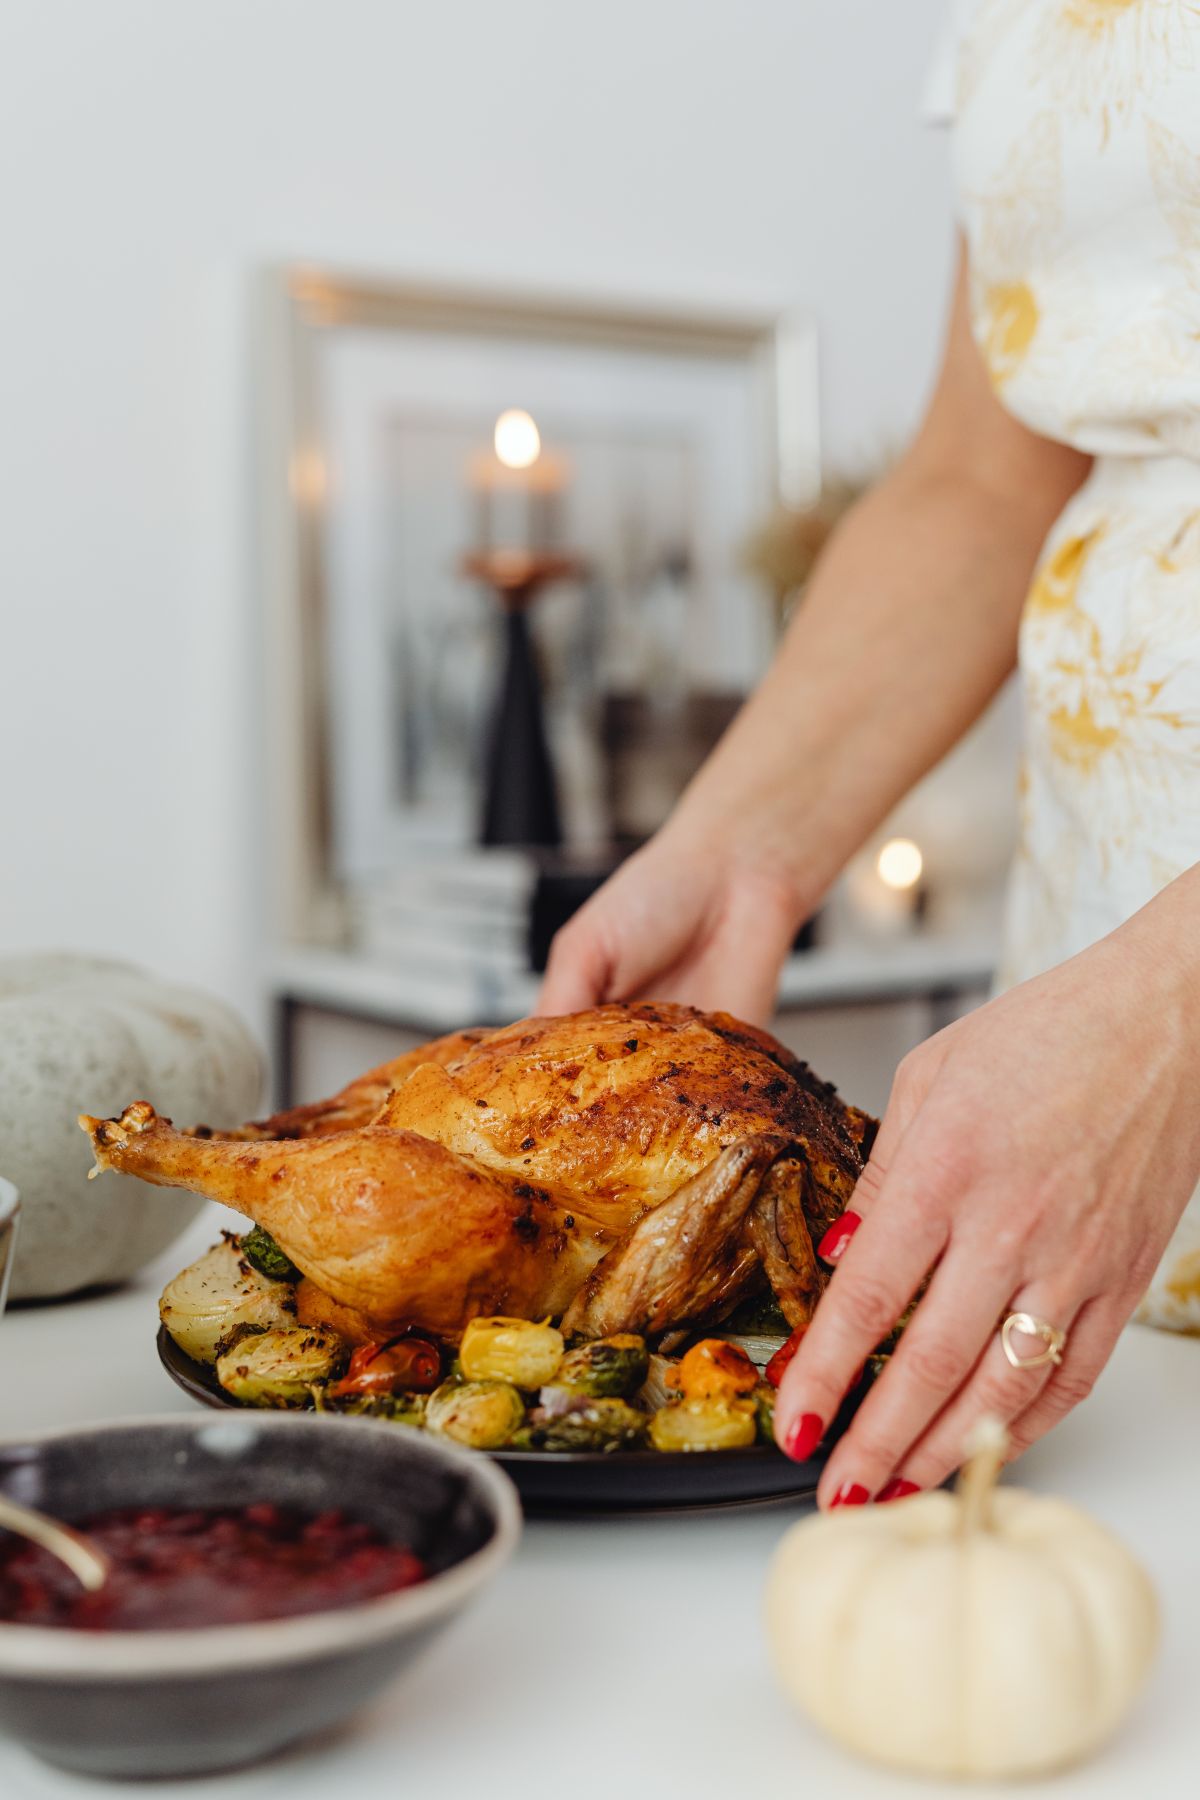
[153,154]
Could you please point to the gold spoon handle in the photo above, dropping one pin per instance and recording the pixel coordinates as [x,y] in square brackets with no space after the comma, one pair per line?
[90,1566]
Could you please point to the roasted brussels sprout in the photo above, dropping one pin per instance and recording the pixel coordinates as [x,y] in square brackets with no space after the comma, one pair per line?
[704,1425]
[759,1317]
[764,1412]
[513,1350]
[715,1370]
[210,1297]
[604,1423]
[281,1367]
[263,1253]
[482,1414]
[606,1366]
[401,1409]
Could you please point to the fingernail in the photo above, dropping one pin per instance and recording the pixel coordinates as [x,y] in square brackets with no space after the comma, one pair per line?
[833,1244]
[898,1488]
[851,1493]
[804,1434]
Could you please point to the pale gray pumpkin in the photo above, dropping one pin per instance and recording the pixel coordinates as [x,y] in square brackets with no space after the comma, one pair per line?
[82,1035]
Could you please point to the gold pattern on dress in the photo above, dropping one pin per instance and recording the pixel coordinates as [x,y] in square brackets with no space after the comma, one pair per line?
[1183,1282]
[1100,57]
[1114,722]
[1093,15]
[1013,225]
[1008,321]
[1056,582]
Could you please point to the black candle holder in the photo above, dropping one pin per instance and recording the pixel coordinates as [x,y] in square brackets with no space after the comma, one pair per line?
[520,804]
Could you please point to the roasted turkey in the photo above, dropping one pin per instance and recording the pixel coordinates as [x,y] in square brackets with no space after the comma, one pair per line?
[630,1168]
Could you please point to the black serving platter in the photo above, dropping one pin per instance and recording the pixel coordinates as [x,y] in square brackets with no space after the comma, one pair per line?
[557,1481]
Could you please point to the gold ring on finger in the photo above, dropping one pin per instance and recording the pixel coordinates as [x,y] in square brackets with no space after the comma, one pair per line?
[1054,1339]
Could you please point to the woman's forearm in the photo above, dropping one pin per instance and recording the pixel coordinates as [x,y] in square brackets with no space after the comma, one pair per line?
[908,629]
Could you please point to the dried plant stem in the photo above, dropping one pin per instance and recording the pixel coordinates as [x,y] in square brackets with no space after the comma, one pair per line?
[987,1447]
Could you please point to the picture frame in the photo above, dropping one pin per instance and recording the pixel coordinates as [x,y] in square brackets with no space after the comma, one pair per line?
[343,358]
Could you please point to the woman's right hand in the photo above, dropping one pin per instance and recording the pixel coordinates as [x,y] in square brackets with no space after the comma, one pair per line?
[681,920]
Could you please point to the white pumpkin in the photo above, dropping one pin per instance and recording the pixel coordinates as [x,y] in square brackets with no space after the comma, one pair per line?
[978,1634]
[81,1035]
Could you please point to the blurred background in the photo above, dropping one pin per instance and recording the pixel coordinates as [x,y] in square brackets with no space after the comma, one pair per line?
[417,424]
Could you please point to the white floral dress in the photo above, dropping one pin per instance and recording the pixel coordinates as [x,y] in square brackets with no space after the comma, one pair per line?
[1076,147]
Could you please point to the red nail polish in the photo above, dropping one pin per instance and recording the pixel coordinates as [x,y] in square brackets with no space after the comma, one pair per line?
[833,1244]
[803,1436]
[851,1493]
[898,1488]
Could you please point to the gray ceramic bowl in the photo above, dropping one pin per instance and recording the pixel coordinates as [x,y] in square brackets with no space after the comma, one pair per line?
[9,1210]
[184,1702]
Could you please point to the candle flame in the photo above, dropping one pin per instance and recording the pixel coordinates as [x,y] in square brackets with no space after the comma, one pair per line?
[900,863]
[517,439]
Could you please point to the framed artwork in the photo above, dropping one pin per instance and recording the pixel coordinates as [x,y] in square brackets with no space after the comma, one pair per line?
[415,443]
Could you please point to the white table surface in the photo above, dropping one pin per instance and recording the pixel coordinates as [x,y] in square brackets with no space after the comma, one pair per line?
[622,1659]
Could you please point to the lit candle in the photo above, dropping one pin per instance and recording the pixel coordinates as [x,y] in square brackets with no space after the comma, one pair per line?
[885,889]
[518,488]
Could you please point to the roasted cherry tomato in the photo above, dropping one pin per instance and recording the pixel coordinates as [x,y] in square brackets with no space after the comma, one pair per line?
[401,1365]
[715,1370]
[783,1356]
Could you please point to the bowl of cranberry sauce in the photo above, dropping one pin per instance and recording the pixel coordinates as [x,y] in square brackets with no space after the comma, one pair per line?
[175,1568]
[270,1574]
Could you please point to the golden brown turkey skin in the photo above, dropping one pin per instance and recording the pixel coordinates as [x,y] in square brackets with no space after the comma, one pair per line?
[613,1109]
[385,1222]
[357,1103]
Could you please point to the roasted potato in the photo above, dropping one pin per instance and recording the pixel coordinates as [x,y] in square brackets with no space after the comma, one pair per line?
[704,1425]
[515,1350]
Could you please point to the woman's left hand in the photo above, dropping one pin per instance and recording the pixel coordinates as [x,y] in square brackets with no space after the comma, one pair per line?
[1035,1156]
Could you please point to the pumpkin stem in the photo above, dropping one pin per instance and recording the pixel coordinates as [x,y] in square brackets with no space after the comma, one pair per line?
[986,1449]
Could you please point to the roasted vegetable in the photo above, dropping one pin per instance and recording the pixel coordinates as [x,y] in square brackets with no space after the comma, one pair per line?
[715,1370]
[764,1412]
[403,1364]
[280,1368]
[402,1409]
[659,1385]
[759,1317]
[606,1366]
[483,1414]
[513,1350]
[604,1423]
[704,1425]
[263,1253]
[210,1297]
[778,1364]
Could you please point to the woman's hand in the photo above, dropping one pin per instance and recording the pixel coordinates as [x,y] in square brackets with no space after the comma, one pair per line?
[1036,1156]
[678,921]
